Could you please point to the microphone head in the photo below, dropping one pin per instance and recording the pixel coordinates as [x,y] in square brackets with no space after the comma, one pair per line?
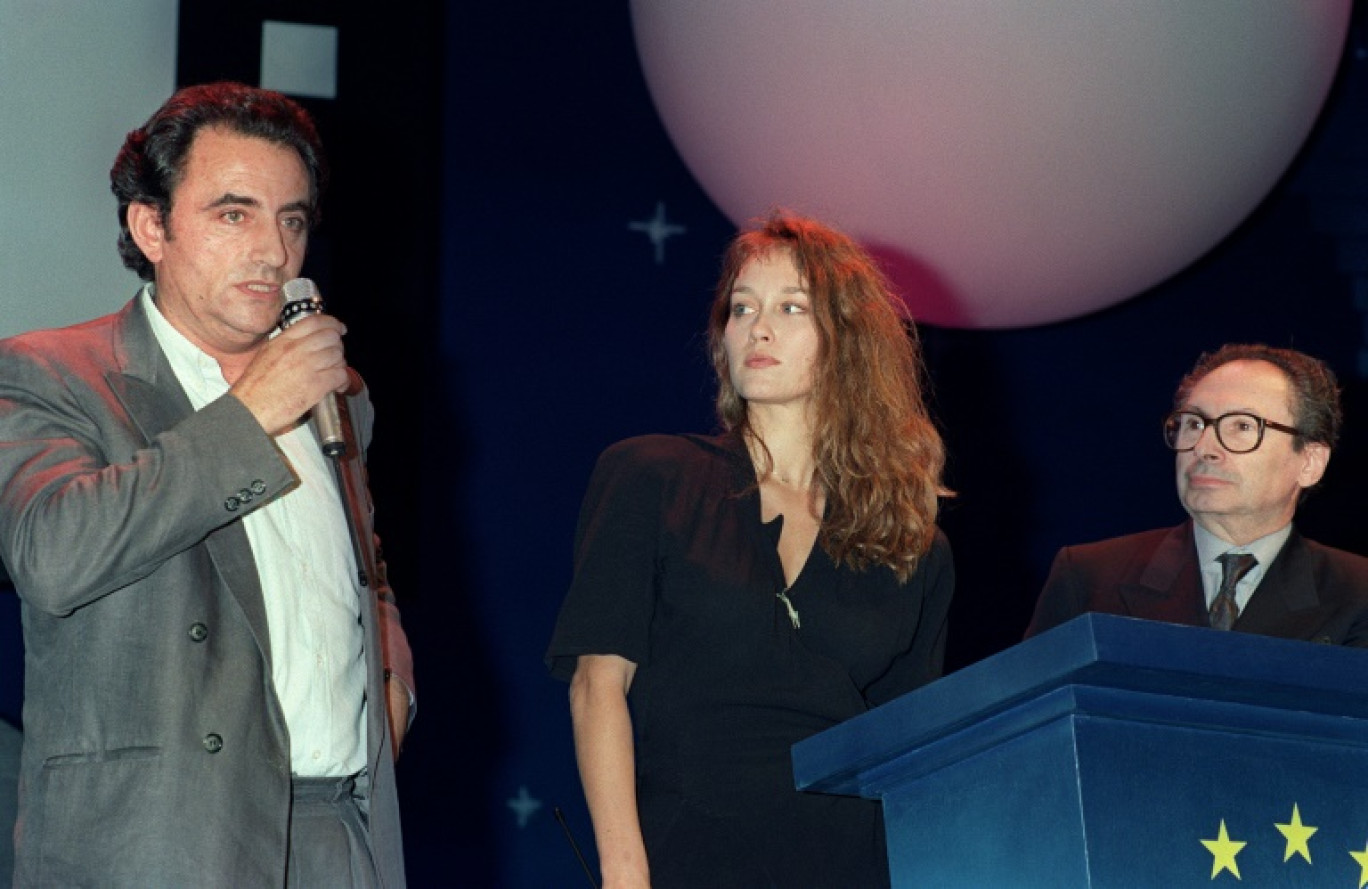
[301,300]
[300,288]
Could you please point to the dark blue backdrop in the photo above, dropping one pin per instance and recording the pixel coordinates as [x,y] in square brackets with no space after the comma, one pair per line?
[491,159]
[562,333]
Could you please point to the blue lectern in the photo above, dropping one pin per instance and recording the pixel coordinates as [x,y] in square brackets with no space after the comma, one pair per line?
[1114,753]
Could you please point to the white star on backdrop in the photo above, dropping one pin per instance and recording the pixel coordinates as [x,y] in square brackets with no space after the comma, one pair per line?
[657,229]
[524,805]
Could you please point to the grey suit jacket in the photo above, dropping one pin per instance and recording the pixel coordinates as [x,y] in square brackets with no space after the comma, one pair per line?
[155,752]
[10,742]
[1310,592]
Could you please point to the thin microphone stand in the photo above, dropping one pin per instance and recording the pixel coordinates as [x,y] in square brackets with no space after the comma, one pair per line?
[560,818]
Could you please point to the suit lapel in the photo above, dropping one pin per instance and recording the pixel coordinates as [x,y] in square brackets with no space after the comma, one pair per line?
[144,383]
[147,388]
[1170,586]
[1287,587]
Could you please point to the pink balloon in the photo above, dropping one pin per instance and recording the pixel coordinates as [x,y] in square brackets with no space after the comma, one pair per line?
[1013,163]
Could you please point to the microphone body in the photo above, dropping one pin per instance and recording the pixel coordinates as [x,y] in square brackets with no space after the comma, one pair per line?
[302,299]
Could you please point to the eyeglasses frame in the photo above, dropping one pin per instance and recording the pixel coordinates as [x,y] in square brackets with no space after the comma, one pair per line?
[1214,423]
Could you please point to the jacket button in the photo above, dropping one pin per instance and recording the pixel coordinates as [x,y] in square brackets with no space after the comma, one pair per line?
[231,504]
[198,632]
[213,743]
[245,495]
[258,487]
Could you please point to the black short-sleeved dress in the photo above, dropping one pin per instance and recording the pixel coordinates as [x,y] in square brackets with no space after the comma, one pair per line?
[676,572]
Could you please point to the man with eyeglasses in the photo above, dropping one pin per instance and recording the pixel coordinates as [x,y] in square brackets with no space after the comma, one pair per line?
[1252,430]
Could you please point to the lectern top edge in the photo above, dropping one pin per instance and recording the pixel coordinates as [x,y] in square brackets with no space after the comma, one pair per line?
[1107,652]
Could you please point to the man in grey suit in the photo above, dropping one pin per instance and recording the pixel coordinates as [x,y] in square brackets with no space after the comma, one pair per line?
[1252,429]
[215,675]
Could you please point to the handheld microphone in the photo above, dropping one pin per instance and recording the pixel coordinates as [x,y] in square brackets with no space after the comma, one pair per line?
[302,300]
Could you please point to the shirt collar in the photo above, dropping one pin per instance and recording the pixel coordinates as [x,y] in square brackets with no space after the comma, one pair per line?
[198,373]
[1265,549]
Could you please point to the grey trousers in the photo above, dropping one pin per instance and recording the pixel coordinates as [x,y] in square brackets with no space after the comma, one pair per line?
[329,839]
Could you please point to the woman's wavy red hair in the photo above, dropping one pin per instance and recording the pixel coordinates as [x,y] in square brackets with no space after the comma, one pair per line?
[879,458]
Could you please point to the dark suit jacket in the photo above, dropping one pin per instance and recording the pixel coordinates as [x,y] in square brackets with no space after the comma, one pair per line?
[155,752]
[1310,591]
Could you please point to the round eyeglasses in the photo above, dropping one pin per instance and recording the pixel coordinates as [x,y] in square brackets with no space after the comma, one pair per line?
[1238,432]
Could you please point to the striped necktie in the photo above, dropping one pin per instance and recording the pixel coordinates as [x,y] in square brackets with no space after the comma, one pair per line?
[1233,567]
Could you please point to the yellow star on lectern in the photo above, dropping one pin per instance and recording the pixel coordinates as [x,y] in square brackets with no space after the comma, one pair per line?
[1296,834]
[1362,859]
[1223,851]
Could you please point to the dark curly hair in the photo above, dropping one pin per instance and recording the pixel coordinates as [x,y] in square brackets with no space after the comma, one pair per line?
[152,161]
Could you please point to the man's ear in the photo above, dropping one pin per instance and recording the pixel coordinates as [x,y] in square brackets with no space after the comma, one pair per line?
[148,229]
[1315,457]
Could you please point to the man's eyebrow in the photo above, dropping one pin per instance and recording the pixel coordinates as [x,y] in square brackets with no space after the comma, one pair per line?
[1191,408]
[228,199]
[298,207]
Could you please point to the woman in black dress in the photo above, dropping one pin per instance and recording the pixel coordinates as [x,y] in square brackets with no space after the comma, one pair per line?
[735,594]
